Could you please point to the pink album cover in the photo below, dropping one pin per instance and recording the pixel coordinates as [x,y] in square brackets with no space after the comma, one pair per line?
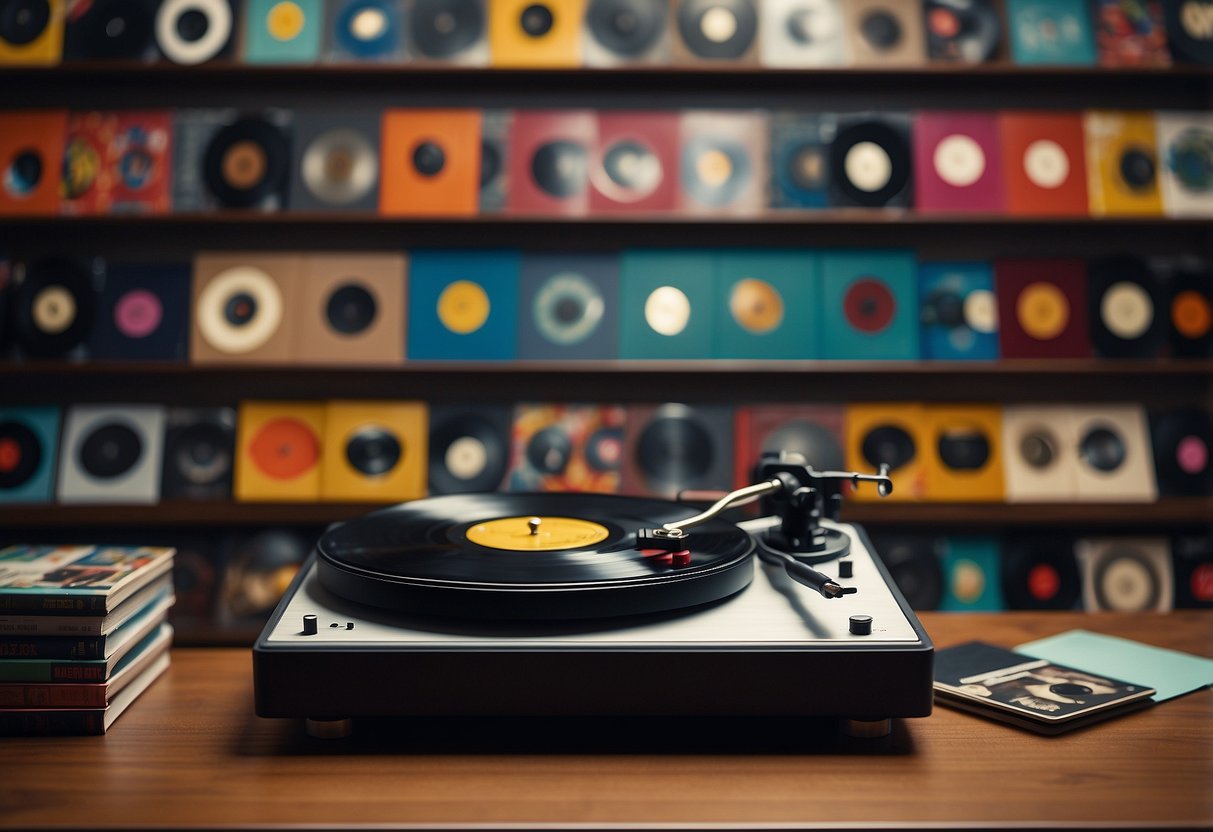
[957,164]
[634,168]
[550,153]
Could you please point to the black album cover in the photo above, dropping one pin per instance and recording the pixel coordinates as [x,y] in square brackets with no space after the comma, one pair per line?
[1193,558]
[1183,451]
[199,453]
[113,30]
[1189,26]
[716,30]
[870,164]
[962,31]
[469,447]
[1190,292]
[54,302]
[143,313]
[676,447]
[191,32]
[229,160]
[451,31]
[1125,307]
[1041,573]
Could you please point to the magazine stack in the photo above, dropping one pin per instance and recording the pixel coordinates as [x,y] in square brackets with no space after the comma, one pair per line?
[83,632]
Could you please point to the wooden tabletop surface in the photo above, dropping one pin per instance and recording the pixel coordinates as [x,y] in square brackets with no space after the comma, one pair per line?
[191,753]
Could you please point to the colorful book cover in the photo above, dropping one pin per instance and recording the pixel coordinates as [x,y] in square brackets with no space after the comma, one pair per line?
[76,580]
[1051,32]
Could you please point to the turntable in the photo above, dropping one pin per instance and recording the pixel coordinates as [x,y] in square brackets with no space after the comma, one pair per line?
[580,605]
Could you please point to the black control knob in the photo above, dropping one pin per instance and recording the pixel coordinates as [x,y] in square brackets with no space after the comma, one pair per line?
[846,569]
[309,625]
[861,625]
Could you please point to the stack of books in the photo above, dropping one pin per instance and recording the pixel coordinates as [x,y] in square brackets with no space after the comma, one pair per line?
[83,632]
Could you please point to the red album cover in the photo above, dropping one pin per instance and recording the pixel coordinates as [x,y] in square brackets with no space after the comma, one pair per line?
[1044,163]
[957,162]
[1130,33]
[1042,308]
[635,165]
[549,162]
[117,162]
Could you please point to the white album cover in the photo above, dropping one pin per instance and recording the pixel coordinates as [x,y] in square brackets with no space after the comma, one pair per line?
[802,33]
[1185,149]
[111,454]
[1038,459]
[1115,459]
[1126,574]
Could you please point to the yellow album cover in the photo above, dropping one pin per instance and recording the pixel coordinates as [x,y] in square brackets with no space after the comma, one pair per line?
[523,33]
[892,433]
[1122,163]
[33,39]
[963,460]
[374,451]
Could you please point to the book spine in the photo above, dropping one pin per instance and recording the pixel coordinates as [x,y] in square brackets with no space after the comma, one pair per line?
[52,647]
[51,723]
[53,671]
[56,604]
[31,626]
[56,695]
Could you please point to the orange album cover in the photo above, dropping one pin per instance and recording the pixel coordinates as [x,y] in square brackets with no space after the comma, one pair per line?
[430,162]
[31,151]
[117,163]
[1044,163]
[278,451]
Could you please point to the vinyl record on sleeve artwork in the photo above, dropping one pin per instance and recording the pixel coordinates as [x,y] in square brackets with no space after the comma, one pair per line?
[1040,573]
[956,163]
[892,435]
[667,304]
[566,447]
[816,432]
[766,305]
[1130,33]
[634,167]
[31,161]
[1191,308]
[1192,558]
[962,31]
[1044,163]
[351,309]
[431,163]
[31,32]
[282,31]
[1185,142]
[531,34]
[802,33]
[885,33]
[716,30]
[1189,27]
[1042,308]
[1122,163]
[1115,459]
[110,30]
[246,164]
[723,162]
[143,313]
[914,564]
[463,305]
[626,32]
[361,31]
[335,162]
[449,31]
[244,307]
[278,451]
[374,451]
[675,447]
[869,305]
[1126,574]
[199,453]
[111,454]
[1127,309]
[870,162]
[1183,451]
[800,169]
[29,445]
[1038,442]
[191,32]
[549,159]
[569,307]
[1051,32]
[54,302]
[959,311]
[964,461]
[469,448]
[971,575]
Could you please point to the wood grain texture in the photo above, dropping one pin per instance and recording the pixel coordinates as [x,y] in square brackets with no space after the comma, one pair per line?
[192,753]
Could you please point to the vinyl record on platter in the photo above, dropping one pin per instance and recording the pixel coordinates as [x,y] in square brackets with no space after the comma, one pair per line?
[1183,452]
[194,31]
[1126,308]
[109,30]
[1191,313]
[21,455]
[443,29]
[469,449]
[1041,574]
[340,167]
[870,164]
[485,556]
[962,31]
[246,163]
[718,29]
[374,450]
[628,29]
[53,308]
[914,567]
[199,453]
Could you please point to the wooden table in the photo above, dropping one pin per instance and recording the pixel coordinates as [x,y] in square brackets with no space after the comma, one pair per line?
[192,753]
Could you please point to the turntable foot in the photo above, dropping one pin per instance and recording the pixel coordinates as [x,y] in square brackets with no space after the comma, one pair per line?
[329,729]
[867,728]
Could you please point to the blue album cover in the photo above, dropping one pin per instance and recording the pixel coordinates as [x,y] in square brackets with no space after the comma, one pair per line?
[569,307]
[282,31]
[972,575]
[869,305]
[1051,32]
[143,313]
[463,305]
[800,160]
[959,311]
[667,309]
[365,30]
[29,444]
[766,304]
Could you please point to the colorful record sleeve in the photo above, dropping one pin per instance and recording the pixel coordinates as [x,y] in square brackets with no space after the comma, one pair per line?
[1191,306]
[972,580]
[1115,459]
[1189,25]
[1192,557]
[1039,443]
[278,451]
[672,448]
[111,454]
[1130,33]
[869,305]
[1122,163]
[31,153]
[963,31]
[549,159]
[526,34]
[118,163]
[796,34]
[957,163]
[469,448]
[871,164]
[1042,308]
[716,31]
[1183,451]
[365,31]
[227,160]
[766,304]
[964,459]
[888,434]
[110,30]
[959,311]
[258,568]
[668,304]
[1126,307]
[143,313]
[199,453]
[29,444]
[31,33]
[449,31]
[723,167]
[282,31]
[800,160]
[463,305]
[626,33]
[1051,32]
[1040,573]
[573,447]
[52,307]
[374,451]
[1126,574]
[335,162]
[1185,142]
[569,307]
[352,308]
[1044,163]
[431,163]
[634,166]
[913,561]
[816,432]
[245,307]
[495,130]
[885,33]
[191,32]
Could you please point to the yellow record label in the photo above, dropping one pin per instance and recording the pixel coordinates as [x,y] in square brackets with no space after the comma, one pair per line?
[463,307]
[1043,311]
[285,21]
[756,305]
[536,534]
[714,168]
